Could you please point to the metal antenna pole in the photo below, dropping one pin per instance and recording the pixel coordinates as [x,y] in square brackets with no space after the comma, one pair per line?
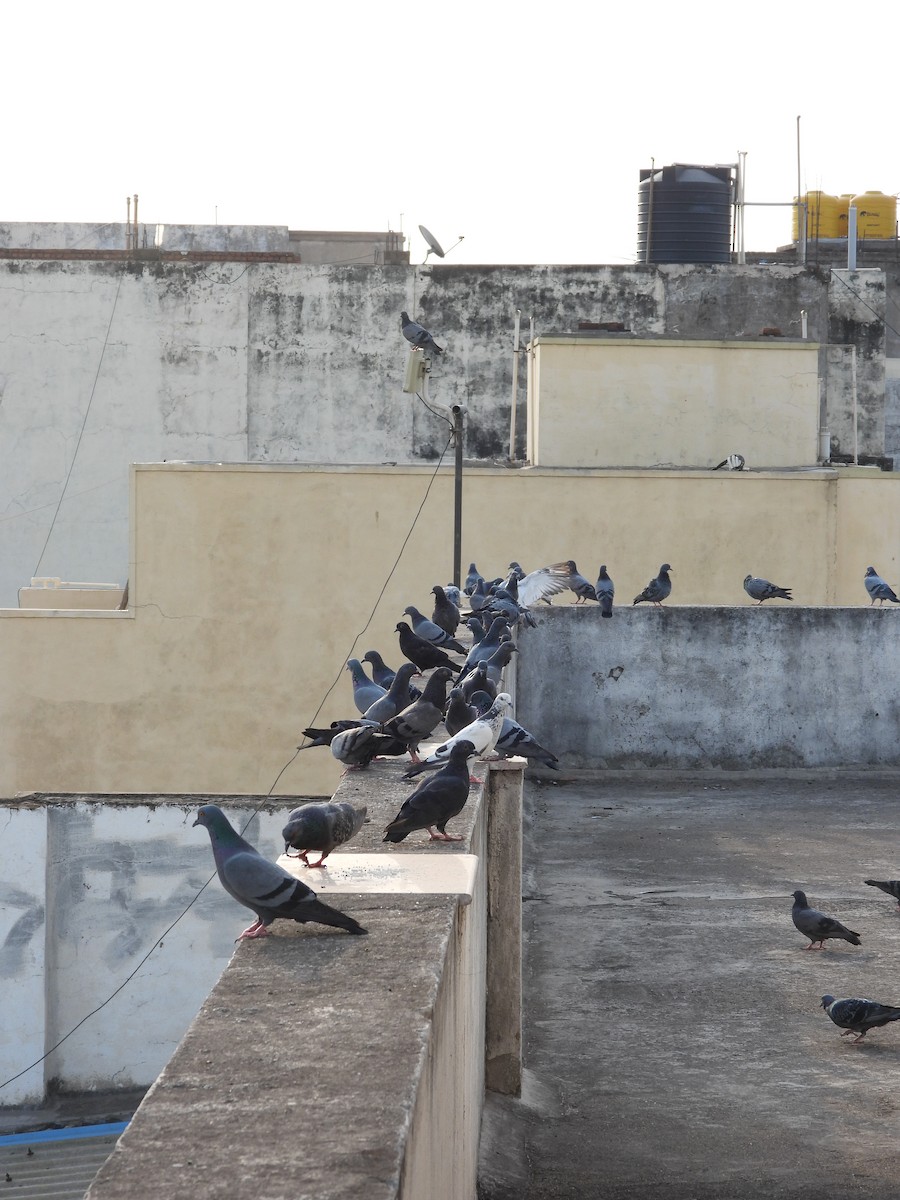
[458,411]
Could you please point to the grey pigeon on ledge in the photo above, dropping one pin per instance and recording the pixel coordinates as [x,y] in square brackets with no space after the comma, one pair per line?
[605,590]
[321,827]
[418,336]
[878,589]
[420,719]
[816,926]
[437,800]
[430,632]
[859,1016]
[890,886]
[397,696]
[657,589]
[579,585]
[365,690]
[263,886]
[760,590]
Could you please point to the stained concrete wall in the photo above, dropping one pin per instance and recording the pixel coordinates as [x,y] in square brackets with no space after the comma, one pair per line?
[105,364]
[743,687]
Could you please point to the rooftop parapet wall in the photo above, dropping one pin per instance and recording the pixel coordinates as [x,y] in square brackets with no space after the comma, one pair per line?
[734,688]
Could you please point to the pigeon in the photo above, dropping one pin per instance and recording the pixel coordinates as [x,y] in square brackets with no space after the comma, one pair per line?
[321,827]
[418,336]
[487,646]
[541,584]
[476,629]
[422,653]
[478,597]
[816,926]
[579,585]
[446,611]
[514,739]
[472,579]
[478,681]
[263,886]
[397,696]
[891,886]
[734,462]
[878,589]
[324,737]
[499,661]
[430,632]
[381,672]
[420,719]
[453,594]
[859,1016]
[605,591]
[357,748]
[460,712]
[482,733]
[657,589]
[436,800]
[761,589]
[365,690]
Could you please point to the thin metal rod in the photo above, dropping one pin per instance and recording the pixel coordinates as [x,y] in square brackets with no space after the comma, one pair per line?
[515,389]
[458,421]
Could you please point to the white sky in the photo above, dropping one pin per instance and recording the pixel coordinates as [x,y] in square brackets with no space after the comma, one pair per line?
[522,126]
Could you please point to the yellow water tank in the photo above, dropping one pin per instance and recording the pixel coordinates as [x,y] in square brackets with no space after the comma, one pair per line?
[821,216]
[876,215]
[843,205]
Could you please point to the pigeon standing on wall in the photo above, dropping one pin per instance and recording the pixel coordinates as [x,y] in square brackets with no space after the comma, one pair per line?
[657,589]
[365,690]
[424,628]
[859,1016]
[878,589]
[760,589]
[482,733]
[357,748]
[437,800]
[418,336]
[605,590]
[734,462]
[816,926]
[321,827]
[420,719]
[397,696]
[579,585]
[381,672]
[446,612]
[421,652]
[263,886]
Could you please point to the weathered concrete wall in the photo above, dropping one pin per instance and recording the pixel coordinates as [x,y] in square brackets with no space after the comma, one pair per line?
[735,687]
[856,360]
[296,363]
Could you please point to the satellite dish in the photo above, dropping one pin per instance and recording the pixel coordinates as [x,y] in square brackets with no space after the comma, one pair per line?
[434,246]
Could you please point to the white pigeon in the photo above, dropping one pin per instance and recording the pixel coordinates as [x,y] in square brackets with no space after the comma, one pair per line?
[483,733]
[541,584]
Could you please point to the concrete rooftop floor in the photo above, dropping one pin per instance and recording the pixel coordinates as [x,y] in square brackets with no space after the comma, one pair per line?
[674,1043]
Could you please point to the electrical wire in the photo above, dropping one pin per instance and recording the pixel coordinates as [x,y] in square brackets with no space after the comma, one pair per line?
[865,303]
[158,942]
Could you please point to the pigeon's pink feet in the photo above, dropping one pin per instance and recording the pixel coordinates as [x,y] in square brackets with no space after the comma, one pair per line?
[437,836]
[472,779]
[256,930]
[320,863]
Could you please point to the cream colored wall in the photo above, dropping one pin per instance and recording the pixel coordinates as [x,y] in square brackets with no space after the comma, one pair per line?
[251,585]
[645,403]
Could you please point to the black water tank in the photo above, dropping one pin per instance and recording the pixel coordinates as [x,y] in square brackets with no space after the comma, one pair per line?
[684,214]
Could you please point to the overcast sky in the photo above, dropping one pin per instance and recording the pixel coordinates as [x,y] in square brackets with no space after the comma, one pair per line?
[521,126]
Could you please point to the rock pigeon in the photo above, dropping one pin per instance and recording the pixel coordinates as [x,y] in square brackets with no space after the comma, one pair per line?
[365,690]
[381,672]
[446,611]
[357,748]
[478,681]
[263,886]
[482,733]
[657,589]
[891,886]
[321,827]
[453,594]
[859,1016]
[472,579]
[514,739]
[420,719]
[437,800]
[499,661]
[579,585]
[734,462]
[488,645]
[816,926]
[761,589]
[878,589]
[397,697]
[418,336]
[460,712]
[324,737]
[429,632]
[421,652]
[605,590]
[541,584]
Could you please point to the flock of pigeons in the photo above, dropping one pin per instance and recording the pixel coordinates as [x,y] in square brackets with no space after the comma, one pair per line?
[853,1015]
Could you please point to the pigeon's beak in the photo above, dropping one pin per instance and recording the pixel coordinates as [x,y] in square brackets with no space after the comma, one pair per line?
[197,822]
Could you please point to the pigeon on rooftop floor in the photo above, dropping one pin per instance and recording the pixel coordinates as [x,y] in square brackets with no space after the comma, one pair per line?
[321,827]
[859,1016]
[418,336]
[605,589]
[816,926]
[760,590]
[436,800]
[878,589]
[263,886]
[657,589]
[890,886]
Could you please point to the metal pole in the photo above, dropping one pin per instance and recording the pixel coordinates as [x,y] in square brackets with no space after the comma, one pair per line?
[650,211]
[458,411]
[515,390]
[855,410]
[852,228]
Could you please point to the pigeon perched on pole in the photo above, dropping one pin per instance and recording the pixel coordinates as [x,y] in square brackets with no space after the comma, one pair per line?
[605,590]
[436,800]
[761,589]
[878,589]
[816,926]
[365,690]
[421,652]
[890,886]
[859,1016]
[321,827]
[657,589]
[482,733]
[418,336]
[263,886]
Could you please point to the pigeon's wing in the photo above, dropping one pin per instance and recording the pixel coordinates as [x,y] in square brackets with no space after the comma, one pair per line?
[544,582]
[255,881]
